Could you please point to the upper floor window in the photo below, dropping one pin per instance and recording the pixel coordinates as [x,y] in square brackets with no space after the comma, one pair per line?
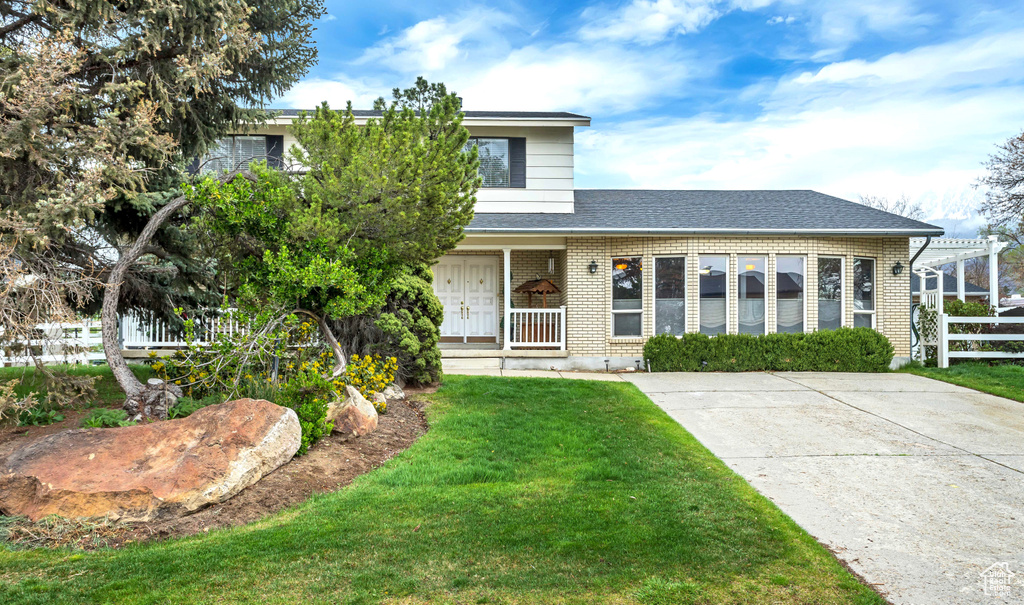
[236,152]
[502,161]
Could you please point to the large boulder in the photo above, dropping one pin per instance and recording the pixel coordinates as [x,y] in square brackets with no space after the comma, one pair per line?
[354,415]
[152,471]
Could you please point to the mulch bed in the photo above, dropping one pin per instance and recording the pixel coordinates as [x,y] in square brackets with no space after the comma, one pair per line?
[329,466]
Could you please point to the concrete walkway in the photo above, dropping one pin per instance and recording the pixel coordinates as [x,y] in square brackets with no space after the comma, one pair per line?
[539,374]
[917,484]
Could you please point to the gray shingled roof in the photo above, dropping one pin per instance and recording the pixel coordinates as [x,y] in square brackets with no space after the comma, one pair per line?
[665,212]
[514,115]
[948,285]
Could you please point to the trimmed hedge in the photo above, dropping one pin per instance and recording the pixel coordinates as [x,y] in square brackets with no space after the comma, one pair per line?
[842,350]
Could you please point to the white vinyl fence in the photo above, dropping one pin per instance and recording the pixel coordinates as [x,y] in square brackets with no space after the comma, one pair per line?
[82,343]
[945,338]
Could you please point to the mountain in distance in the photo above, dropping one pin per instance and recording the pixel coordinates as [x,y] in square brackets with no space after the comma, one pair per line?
[958,211]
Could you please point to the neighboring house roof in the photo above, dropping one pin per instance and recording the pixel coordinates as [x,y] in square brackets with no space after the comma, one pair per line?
[667,212]
[510,115]
[948,286]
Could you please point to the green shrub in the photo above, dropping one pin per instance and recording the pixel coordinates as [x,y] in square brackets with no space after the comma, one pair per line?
[186,405]
[309,394]
[39,416]
[842,350]
[408,328]
[104,418]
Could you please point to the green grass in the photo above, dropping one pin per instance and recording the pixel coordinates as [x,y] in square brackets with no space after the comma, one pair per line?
[523,491]
[107,389]
[1002,380]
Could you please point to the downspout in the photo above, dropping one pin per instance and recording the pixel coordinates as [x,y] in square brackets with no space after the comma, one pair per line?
[921,286]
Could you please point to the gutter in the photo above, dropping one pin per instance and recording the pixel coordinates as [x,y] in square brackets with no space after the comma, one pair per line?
[913,327]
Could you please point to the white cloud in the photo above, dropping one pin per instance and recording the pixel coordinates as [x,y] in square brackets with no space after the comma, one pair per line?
[777,19]
[649,21]
[328,18]
[572,76]
[311,92]
[852,128]
[433,44]
[837,25]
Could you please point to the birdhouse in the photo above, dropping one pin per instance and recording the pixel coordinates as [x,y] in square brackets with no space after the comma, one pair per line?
[537,286]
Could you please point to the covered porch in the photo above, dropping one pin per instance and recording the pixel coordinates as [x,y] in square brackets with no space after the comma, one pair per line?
[503,298]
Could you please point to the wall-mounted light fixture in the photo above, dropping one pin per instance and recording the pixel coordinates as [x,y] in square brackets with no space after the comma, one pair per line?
[897,268]
[593,266]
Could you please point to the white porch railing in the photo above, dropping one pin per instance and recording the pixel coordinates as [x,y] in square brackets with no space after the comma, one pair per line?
[944,338]
[536,328]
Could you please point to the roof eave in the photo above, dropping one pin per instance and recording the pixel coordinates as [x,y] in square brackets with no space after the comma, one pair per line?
[704,231]
[474,121]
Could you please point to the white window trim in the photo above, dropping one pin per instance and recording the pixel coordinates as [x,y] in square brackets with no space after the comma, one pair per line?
[654,292]
[842,288]
[728,314]
[611,298]
[803,258]
[874,292]
[765,258]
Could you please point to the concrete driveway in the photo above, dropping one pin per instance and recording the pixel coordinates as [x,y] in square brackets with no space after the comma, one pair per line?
[917,484]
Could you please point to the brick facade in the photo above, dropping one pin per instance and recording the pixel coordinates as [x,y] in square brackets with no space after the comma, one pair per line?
[588,296]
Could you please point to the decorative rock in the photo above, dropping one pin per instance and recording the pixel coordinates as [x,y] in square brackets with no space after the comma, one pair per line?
[151,471]
[354,415]
[155,399]
[394,392]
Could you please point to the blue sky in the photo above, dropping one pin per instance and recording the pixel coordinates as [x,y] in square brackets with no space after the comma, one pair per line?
[876,97]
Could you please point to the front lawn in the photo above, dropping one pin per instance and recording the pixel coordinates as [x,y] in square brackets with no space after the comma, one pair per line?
[523,491]
[1002,380]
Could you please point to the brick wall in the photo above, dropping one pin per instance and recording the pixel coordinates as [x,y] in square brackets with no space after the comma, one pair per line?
[588,296]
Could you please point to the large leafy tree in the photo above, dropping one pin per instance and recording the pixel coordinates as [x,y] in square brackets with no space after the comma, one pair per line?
[1004,182]
[378,200]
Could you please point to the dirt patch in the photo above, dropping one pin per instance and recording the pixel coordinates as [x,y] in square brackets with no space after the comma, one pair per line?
[329,466]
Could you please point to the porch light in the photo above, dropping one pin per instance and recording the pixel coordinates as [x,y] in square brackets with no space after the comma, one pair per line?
[593,266]
[897,268]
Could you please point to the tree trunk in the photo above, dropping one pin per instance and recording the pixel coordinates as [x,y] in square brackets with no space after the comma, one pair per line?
[108,317]
[153,398]
[340,361]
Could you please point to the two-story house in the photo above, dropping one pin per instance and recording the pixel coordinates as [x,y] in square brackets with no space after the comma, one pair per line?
[553,276]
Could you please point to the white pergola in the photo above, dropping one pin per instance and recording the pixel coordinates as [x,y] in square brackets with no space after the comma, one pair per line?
[945,251]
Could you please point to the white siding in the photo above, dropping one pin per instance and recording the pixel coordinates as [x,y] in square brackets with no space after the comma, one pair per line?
[549,171]
[549,168]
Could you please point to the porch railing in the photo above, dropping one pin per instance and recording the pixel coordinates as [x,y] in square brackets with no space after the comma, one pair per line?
[536,328]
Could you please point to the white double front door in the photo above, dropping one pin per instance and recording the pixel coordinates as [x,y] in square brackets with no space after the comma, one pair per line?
[468,288]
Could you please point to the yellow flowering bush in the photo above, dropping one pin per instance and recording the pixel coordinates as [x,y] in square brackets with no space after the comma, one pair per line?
[369,374]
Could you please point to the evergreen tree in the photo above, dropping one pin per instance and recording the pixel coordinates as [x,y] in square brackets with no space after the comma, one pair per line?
[101,106]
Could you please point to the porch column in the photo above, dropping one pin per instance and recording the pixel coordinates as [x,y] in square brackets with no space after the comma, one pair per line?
[507,312]
[993,271]
[960,294]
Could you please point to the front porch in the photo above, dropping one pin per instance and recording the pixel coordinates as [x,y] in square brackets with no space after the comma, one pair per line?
[486,317]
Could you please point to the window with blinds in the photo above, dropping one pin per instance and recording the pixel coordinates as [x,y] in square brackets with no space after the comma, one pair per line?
[234,153]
